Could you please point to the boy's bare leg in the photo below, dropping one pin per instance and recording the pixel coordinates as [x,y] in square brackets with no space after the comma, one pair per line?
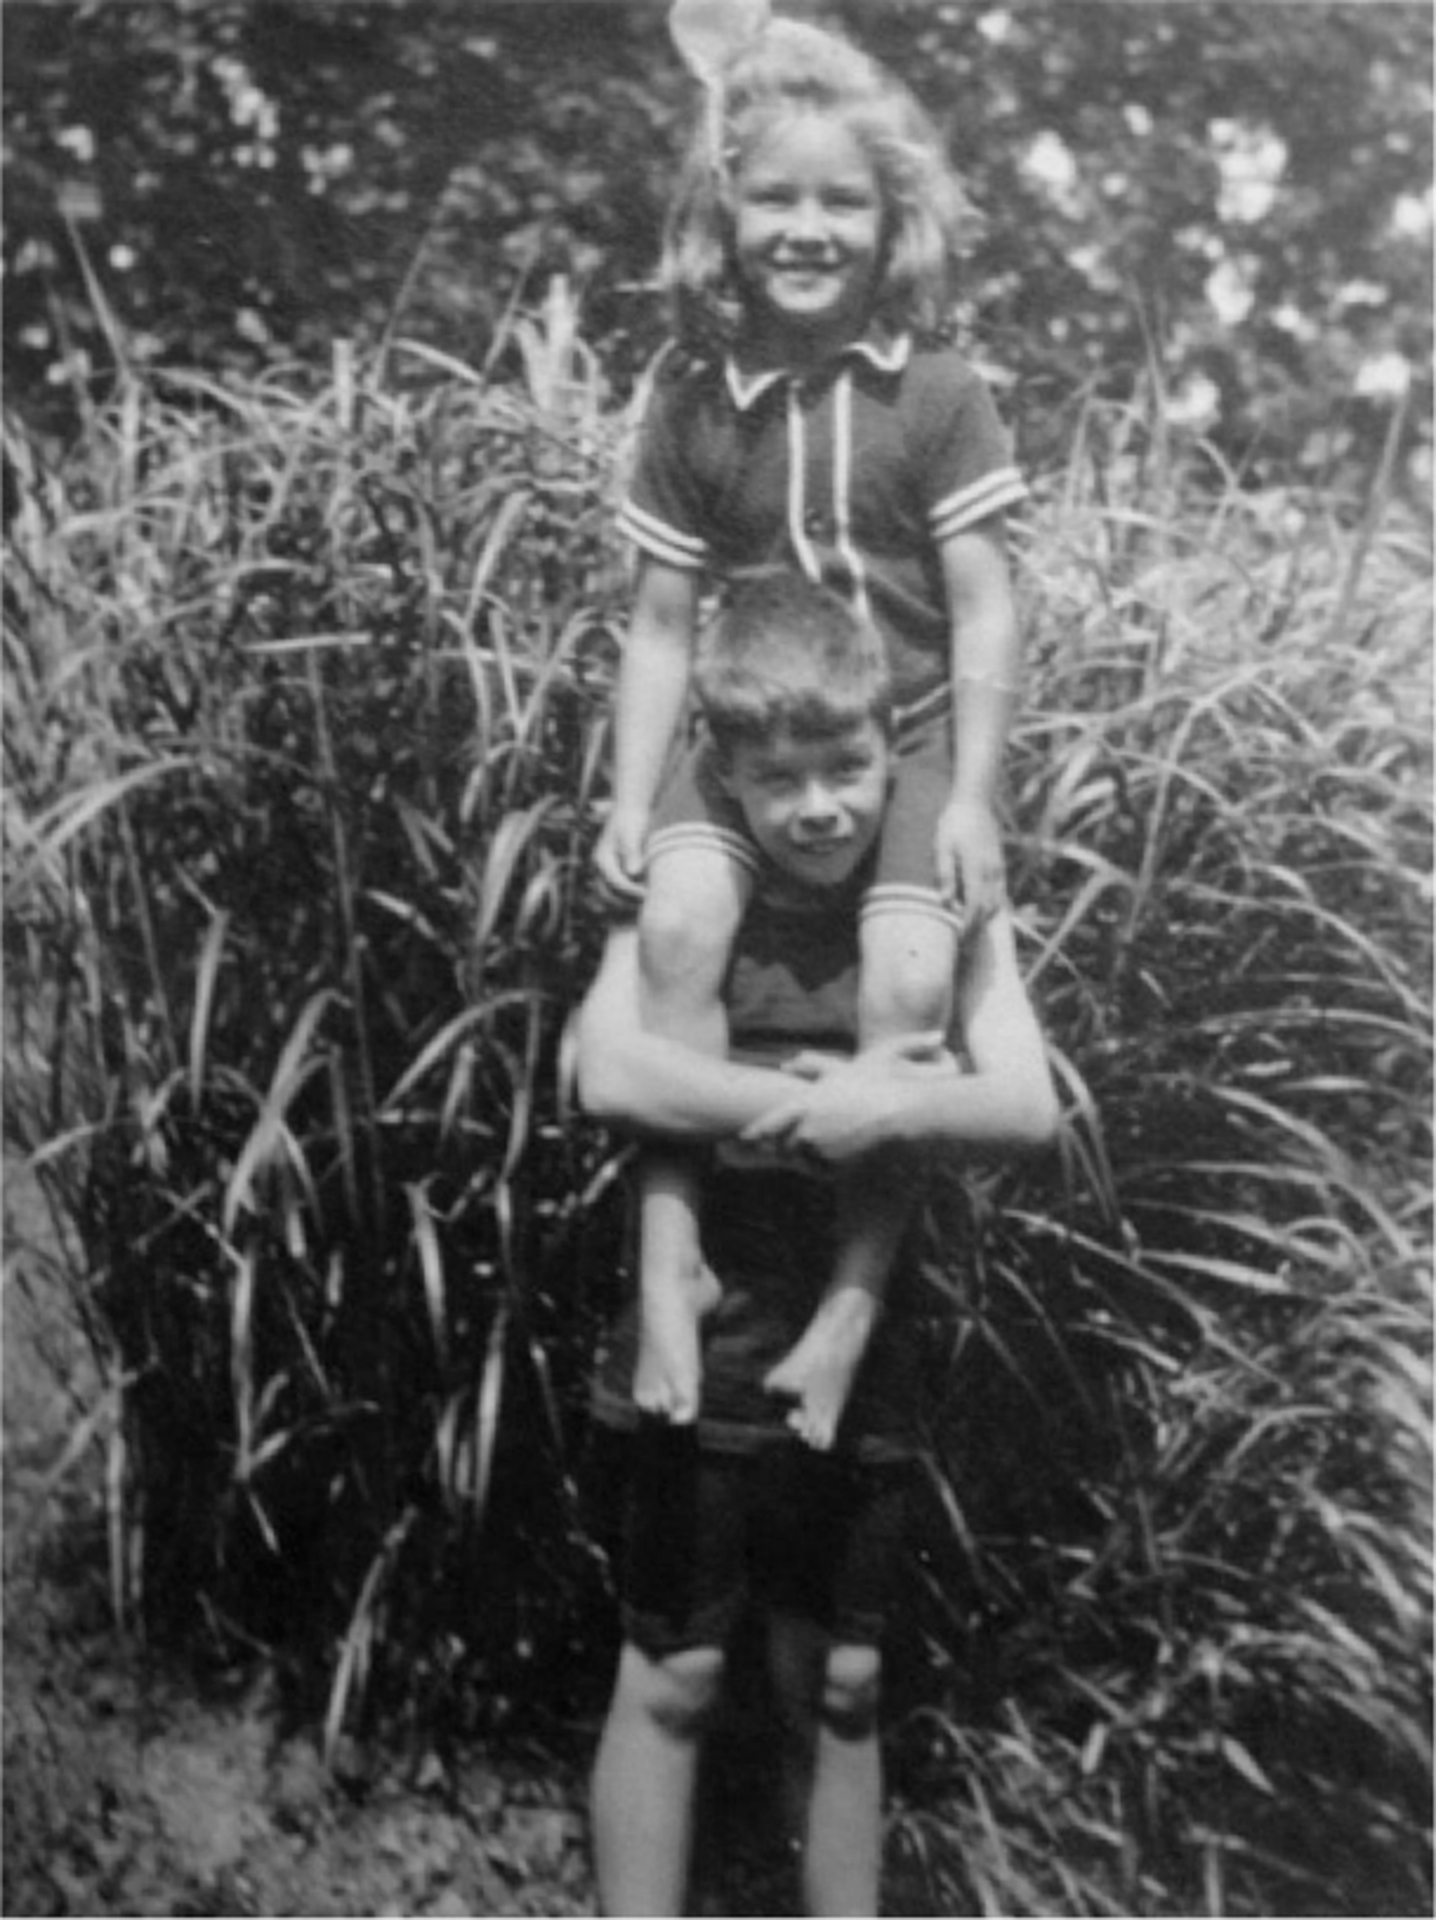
[842,1863]
[675,1290]
[828,1696]
[819,1372]
[645,1776]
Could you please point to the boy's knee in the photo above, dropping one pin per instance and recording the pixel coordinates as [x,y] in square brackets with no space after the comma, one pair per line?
[852,1678]
[680,1691]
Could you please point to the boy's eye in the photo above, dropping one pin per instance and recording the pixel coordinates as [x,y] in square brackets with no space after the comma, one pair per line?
[775,780]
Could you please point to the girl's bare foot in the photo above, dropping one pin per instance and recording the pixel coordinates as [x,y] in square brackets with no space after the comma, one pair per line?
[818,1374]
[668,1374]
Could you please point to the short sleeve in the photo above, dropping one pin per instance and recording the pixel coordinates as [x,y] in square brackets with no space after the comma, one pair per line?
[968,468]
[661,511]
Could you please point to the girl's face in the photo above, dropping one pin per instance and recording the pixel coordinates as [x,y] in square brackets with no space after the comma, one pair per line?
[808,229]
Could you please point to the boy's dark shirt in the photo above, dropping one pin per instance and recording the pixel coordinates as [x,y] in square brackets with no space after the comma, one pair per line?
[768,1232]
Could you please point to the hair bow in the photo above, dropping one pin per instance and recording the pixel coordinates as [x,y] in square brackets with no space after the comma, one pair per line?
[709,34]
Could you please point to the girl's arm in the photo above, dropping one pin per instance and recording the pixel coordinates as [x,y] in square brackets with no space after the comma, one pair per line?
[986,664]
[648,705]
[630,1077]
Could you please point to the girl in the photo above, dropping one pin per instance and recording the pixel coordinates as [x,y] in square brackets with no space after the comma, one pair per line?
[809,414]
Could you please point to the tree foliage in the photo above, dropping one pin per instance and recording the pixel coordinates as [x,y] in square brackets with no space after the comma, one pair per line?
[1236,195]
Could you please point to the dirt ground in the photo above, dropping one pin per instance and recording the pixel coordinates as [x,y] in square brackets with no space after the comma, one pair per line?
[131,1790]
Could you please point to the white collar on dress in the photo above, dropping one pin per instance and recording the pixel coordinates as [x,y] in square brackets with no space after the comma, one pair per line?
[887,352]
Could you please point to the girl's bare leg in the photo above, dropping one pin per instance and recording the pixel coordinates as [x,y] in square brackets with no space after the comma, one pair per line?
[695,904]
[909,961]
[675,1290]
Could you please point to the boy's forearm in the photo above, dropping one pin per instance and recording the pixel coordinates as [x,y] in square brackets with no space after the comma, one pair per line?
[663,1088]
[993,1113]
[858,1110]
[1008,1101]
[628,1076]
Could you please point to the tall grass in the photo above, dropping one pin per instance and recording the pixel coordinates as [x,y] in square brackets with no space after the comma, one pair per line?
[306,686]
[1188,1451]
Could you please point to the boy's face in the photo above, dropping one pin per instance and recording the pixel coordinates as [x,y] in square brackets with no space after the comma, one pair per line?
[813,806]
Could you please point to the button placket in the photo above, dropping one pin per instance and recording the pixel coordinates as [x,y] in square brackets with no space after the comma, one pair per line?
[799,512]
[817,521]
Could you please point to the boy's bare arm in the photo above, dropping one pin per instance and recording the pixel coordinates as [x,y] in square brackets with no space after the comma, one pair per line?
[631,1077]
[902,1091]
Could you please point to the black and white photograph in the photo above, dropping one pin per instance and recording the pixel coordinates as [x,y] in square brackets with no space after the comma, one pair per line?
[717,975]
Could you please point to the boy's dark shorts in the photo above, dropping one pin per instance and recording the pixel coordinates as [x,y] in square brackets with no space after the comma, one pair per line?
[707,1532]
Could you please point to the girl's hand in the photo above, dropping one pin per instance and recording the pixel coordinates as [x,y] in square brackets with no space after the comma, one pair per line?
[970,867]
[849,1108]
[620,855]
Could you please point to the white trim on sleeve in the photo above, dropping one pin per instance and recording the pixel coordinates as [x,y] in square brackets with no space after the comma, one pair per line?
[969,505]
[657,537]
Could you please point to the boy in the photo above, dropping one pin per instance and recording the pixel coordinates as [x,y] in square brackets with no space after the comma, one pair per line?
[734,1507]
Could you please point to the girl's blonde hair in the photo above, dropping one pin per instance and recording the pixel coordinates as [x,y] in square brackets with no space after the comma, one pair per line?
[791,68]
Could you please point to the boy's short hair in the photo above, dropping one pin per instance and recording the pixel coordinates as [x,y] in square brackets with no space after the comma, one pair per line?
[784,655]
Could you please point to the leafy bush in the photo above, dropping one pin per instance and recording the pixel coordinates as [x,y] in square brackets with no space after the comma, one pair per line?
[304,730]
